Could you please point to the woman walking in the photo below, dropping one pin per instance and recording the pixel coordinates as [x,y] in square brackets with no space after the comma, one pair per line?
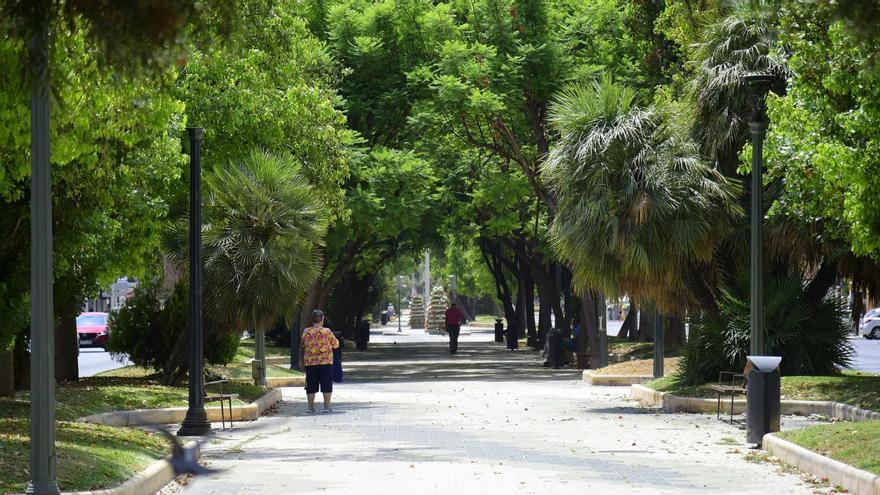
[317,345]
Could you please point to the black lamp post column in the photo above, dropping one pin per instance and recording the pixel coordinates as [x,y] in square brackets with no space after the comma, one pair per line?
[759,85]
[43,478]
[399,307]
[758,127]
[196,421]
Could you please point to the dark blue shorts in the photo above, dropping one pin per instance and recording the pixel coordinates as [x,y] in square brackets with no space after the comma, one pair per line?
[321,375]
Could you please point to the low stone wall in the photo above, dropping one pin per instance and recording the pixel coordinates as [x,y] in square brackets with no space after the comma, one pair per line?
[148,481]
[278,381]
[170,415]
[594,378]
[674,403]
[855,480]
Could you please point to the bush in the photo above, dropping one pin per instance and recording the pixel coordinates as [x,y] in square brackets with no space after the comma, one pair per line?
[811,337]
[147,330]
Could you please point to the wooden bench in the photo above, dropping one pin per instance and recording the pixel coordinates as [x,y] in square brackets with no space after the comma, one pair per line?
[733,386]
[220,397]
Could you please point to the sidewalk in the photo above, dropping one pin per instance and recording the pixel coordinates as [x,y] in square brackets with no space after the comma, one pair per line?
[412,420]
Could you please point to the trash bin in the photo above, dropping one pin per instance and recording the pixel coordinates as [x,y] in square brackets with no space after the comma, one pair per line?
[499,330]
[554,348]
[362,336]
[762,397]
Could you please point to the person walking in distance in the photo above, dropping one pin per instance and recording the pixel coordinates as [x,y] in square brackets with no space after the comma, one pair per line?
[317,345]
[453,326]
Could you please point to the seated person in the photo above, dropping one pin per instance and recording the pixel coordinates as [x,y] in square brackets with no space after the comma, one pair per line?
[570,343]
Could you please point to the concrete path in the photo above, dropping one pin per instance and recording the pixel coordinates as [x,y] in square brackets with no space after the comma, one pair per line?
[410,419]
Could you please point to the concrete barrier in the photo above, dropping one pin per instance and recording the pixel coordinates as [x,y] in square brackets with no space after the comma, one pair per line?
[674,403]
[278,381]
[594,378]
[146,482]
[170,415]
[855,480]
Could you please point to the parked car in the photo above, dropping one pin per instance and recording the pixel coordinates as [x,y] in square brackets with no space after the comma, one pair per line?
[869,325]
[91,328]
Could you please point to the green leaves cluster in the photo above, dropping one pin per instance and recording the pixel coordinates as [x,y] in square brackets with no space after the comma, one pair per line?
[637,205]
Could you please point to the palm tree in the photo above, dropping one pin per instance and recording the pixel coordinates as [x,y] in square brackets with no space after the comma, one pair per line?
[742,42]
[637,205]
[262,225]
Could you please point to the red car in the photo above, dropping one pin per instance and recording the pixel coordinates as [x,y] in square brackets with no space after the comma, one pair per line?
[91,328]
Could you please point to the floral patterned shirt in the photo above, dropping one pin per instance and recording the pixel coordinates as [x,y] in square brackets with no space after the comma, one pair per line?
[317,346]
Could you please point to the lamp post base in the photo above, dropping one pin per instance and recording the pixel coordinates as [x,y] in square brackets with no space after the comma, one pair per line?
[42,488]
[195,424]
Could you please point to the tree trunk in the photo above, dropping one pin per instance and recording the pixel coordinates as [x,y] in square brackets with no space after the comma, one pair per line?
[66,348]
[822,281]
[567,307]
[647,320]
[176,366]
[544,316]
[628,327]
[7,373]
[522,306]
[589,332]
[492,257]
[530,310]
[675,332]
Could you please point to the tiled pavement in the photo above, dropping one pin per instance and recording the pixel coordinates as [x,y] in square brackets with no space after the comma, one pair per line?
[412,420]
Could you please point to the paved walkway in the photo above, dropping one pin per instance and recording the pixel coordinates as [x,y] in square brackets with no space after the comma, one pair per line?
[410,419]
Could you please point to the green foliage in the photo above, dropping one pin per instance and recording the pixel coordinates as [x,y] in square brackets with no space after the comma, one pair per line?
[262,226]
[825,133]
[636,204]
[133,34]
[271,86]
[147,328]
[740,43]
[111,182]
[811,337]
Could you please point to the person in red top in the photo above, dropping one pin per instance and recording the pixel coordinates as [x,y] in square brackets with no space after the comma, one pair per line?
[453,327]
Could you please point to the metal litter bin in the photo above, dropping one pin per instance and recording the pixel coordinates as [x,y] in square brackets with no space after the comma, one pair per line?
[362,336]
[762,398]
[499,330]
[554,349]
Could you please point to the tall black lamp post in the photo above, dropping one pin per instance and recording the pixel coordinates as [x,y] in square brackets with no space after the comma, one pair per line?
[399,307]
[43,474]
[196,421]
[759,84]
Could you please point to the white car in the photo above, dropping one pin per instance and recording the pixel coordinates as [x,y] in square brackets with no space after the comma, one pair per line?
[869,325]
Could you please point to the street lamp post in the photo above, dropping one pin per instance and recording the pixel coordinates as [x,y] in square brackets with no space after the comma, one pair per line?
[759,84]
[196,421]
[43,474]
[399,308]
[452,286]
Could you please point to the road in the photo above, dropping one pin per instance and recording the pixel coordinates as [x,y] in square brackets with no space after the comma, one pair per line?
[867,355]
[94,360]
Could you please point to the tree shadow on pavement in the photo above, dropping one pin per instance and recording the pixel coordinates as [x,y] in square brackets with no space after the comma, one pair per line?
[429,361]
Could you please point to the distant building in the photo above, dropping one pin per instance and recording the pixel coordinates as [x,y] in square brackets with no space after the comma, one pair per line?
[121,291]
